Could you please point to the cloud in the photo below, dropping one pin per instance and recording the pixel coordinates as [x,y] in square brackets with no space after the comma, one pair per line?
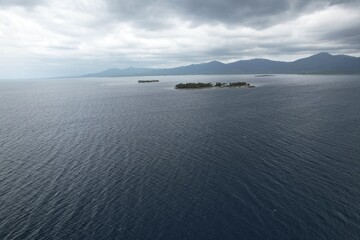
[23,3]
[57,38]
[252,13]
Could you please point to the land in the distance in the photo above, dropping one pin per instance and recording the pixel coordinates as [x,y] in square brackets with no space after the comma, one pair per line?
[322,63]
[264,75]
[147,81]
[211,85]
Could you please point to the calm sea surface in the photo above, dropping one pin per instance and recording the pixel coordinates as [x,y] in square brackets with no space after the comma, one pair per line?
[108,158]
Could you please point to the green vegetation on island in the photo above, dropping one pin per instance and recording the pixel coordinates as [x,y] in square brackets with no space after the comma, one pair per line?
[211,85]
[194,85]
[147,81]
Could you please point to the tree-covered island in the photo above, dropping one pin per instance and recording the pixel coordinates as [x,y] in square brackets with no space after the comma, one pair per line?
[211,85]
[147,81]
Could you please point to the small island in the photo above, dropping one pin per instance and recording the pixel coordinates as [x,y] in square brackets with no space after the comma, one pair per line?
[264,75]
[147,81]
[211,85]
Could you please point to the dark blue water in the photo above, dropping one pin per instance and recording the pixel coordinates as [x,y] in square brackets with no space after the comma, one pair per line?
[114,159]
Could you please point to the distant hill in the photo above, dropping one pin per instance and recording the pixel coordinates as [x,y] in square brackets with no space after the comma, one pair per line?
[321,63]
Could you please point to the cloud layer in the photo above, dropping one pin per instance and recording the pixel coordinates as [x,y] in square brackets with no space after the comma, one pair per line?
[56,38]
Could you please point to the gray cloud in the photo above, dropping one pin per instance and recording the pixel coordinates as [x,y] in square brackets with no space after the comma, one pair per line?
[157,14]
[252,13]
[24,3]
[348,35]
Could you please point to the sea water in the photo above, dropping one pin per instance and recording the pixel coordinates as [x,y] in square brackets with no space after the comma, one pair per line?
[110,158]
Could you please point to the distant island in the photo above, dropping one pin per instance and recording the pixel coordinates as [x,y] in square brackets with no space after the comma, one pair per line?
[211,85]
[264,75]
[321,63]
[147,81]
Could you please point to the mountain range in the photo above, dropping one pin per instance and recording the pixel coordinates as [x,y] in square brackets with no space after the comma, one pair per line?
[321,63]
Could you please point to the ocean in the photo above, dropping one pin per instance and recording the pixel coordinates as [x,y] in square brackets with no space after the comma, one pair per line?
[110,158]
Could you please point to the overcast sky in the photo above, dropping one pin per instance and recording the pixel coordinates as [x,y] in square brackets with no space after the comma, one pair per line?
[40,38]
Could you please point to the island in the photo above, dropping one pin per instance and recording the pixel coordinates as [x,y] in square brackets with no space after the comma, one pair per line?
[147,81]
[211,85]
[264,75]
